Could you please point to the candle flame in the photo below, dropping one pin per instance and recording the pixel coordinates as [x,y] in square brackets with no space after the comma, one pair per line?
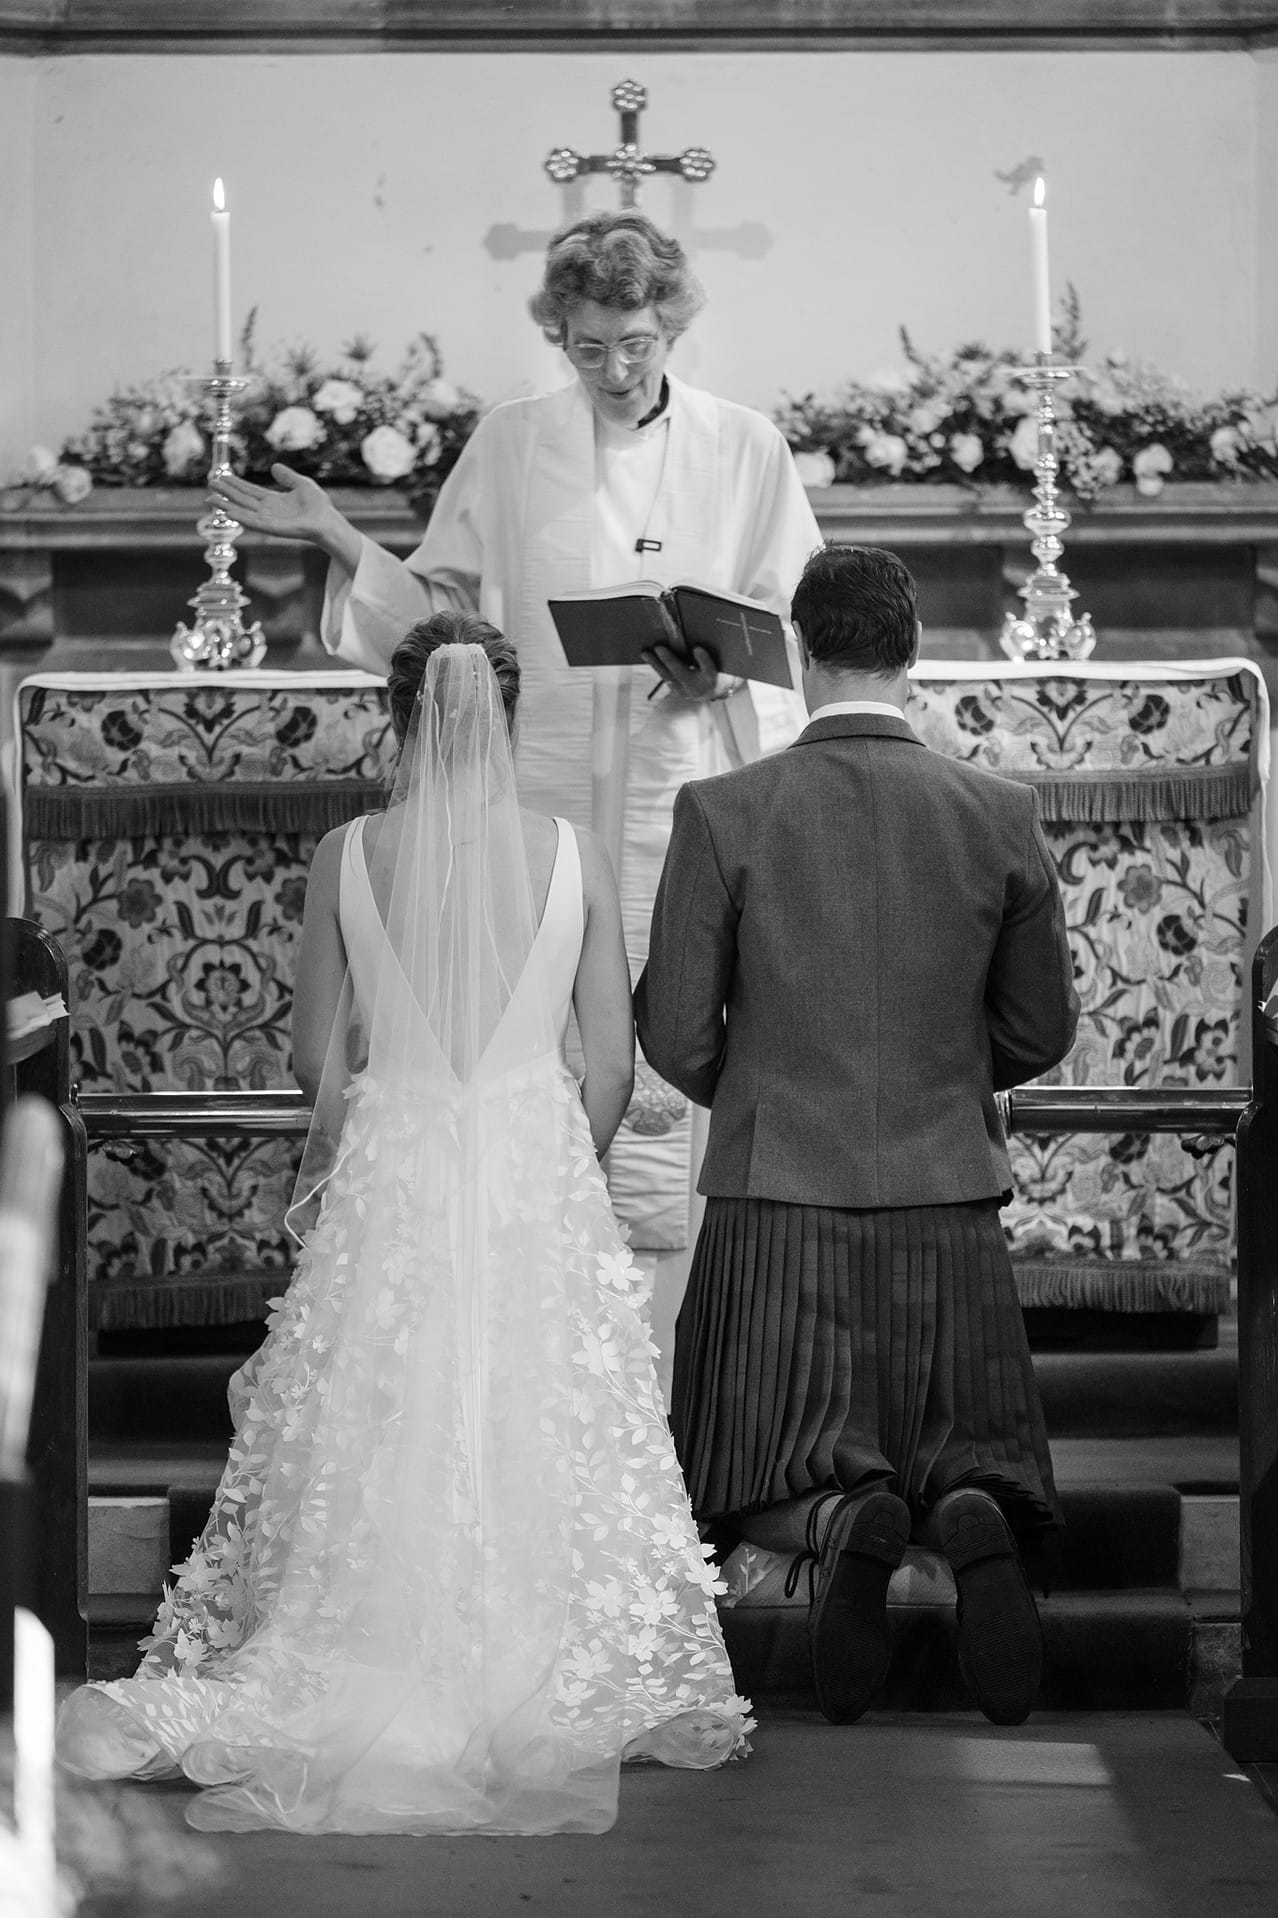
[1040,191]
[219,196]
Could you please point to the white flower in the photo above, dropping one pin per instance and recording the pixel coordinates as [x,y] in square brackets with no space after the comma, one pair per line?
[888,450]
[387,454]
[1023,445]
[814,469]
[1018,399]
[295,429]
[925,419]
[341,398]
[1260,425]
[1151,467]
[1107,465]
[439,398]
[183,449]
[42,464]
[966,451]
[1225,442]
[72,484]
[429,443]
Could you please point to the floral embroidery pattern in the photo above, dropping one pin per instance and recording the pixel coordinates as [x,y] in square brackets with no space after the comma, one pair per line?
[1157,916]
[181,947]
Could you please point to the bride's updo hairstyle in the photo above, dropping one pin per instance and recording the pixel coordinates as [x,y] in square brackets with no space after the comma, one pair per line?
[410,658]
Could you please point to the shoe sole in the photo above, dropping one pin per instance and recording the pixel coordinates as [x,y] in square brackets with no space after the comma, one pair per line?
[1000,1639]
[849,1643]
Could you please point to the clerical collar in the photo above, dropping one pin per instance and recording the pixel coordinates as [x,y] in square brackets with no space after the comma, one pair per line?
[663,400]
[880,707]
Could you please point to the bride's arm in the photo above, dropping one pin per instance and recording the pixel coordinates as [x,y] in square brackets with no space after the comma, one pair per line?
[321,965]
[601,999]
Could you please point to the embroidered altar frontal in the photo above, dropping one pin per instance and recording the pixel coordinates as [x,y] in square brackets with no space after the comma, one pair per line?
[168,827]
[1151,787]
[168,824]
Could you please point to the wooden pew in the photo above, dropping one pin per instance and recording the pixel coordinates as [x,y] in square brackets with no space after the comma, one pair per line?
[57,1452]
[1249,1720]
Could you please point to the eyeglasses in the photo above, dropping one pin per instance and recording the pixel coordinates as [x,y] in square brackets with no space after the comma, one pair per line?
[635,351]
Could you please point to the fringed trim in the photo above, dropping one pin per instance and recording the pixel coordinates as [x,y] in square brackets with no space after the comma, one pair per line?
[1175,792]
[151,812]
[1121,1286]
[147,1304]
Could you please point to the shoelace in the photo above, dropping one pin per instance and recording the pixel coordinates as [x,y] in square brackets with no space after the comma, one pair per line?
[810,1556]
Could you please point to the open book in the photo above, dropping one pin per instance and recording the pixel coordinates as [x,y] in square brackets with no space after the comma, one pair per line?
[616,625]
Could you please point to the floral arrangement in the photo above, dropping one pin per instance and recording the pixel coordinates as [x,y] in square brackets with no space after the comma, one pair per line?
[966,417]
[347,424]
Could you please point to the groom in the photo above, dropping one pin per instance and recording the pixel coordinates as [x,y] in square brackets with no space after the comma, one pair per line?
[855,944]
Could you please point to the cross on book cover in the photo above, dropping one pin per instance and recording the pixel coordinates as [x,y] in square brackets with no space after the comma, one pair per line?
[616,625]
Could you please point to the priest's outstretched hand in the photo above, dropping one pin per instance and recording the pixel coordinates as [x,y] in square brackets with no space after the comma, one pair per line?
[294,508]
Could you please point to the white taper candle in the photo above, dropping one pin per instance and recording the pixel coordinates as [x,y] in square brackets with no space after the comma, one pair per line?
[221,274]
[1041,273]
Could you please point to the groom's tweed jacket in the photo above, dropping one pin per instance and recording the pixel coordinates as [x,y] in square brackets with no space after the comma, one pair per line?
[854,944]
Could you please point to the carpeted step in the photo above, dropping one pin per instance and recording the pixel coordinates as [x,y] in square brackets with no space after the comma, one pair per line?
[1119,1537]
[1104,1394]
[1112,1651]
[161,1397]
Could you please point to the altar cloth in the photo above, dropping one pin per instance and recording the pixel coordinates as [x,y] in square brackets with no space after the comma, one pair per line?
[167,825]
[1152,782]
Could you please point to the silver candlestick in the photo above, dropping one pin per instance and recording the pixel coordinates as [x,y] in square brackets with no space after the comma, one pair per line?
[218,640]
[1047,629]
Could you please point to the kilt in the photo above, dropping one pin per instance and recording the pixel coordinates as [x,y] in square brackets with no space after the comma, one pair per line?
[822,1348]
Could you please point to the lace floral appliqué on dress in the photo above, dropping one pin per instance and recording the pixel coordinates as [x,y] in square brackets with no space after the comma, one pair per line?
[451,1577]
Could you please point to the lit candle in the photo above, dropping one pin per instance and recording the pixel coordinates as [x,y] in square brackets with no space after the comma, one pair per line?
[221,274]
[1042,276]
[33,1722]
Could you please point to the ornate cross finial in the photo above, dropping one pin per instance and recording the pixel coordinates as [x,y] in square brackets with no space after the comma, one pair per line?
[626,163]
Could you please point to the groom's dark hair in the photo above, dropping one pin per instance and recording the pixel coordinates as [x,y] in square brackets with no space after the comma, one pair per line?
[858,608]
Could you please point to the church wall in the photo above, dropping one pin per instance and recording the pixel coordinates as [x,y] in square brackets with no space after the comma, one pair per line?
[854,192]
[17,195]
[1266,68]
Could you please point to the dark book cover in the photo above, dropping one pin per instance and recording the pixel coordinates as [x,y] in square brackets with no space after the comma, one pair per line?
[616,628]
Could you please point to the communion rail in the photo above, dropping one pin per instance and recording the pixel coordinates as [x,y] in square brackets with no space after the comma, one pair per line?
[202,1115]
[1244,1117]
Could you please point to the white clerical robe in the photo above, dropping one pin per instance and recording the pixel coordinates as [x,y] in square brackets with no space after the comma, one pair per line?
[545,501]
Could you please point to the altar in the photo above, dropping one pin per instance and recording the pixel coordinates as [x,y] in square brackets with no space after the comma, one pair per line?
[167,823]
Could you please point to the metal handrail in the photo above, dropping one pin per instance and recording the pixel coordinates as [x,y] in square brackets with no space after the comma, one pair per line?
[1123,1108]
[204,1115]
[194,1115]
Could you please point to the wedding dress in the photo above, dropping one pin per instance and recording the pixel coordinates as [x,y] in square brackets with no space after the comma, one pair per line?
[450,1579]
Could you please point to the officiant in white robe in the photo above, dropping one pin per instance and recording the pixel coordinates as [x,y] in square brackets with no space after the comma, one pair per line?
[550,498]
[626,473]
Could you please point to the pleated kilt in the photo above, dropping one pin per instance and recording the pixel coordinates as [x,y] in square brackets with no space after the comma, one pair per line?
[819,1347]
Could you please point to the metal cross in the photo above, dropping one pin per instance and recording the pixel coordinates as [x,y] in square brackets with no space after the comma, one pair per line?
[626,163]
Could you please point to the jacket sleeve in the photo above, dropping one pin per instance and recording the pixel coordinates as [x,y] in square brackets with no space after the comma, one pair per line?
[1031,1006]
[683,989]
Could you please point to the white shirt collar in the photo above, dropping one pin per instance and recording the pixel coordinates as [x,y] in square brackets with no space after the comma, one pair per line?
[883,708]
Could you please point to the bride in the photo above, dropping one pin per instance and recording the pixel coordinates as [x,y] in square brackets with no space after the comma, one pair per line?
[450,1579]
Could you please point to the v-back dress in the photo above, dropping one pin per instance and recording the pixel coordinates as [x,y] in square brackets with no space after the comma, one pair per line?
[450,1578]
